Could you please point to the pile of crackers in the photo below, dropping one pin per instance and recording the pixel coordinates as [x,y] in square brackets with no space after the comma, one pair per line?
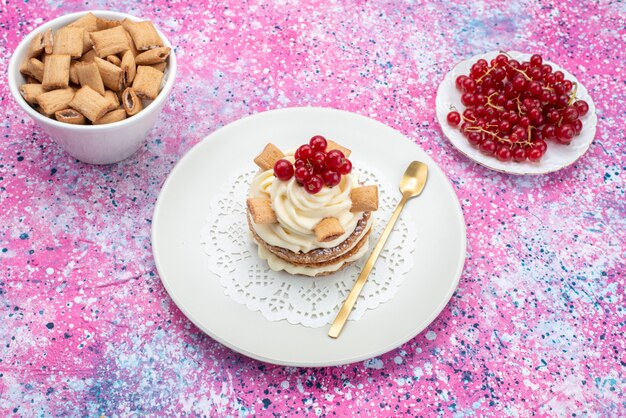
[94,71]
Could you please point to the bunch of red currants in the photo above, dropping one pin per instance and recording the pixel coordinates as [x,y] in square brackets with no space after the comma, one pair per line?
[513,108]
[314,166]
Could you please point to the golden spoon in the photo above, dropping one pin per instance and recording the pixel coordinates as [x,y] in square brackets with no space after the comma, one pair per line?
[411,185]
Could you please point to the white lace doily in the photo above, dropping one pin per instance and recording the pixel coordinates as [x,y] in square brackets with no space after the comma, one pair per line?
[312,302]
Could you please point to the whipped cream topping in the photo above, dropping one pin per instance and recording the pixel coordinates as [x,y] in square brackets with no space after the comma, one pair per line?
[298,212]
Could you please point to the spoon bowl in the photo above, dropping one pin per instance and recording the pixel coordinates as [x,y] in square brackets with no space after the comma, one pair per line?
[414,179]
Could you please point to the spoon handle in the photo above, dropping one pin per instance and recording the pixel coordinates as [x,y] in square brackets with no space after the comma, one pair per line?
[345,310]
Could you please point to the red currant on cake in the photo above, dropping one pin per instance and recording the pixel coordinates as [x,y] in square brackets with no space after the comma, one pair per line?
[304,152]
[303,173]
[314,184]
[335,159]
[319,161]
[318,143]
[283,170]
[331,178]
[345,168]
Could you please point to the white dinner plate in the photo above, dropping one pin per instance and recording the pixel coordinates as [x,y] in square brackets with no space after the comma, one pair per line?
[183,205]
[557,156]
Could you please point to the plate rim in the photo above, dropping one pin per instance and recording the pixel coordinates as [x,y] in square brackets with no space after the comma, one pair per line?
[485,161]
[276,361]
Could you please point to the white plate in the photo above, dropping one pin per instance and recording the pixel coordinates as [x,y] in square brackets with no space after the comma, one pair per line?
[557,156]
[184,203]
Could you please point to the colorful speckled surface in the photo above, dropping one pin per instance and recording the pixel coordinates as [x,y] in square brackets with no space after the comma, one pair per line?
[536,326]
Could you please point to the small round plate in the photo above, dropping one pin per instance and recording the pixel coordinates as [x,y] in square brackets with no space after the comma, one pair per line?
[183,205]
[557,156]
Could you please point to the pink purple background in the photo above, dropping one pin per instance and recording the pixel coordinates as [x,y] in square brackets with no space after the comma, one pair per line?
[536,325]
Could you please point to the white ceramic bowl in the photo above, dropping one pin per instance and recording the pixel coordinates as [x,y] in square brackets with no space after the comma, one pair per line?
[94,144]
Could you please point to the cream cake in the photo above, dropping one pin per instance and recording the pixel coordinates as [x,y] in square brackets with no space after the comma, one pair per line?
[307,211]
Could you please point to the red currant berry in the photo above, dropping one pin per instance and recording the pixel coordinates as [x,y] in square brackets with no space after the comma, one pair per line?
[502,60]
[541,145]
[567,85]
[467,99]
[283,170]
[535,116]
[519,83]
[469,114]
[480,111]
[499,74]
[331,178]
[559,88]
[553,116]
[558,76]
[346,168]
[562,101]
[546,69]
[519,133]
[335,158]
[578,126]
[509,92]
[510,69]
[453,118]
[535,89]
[520,154]
[534,155]
[459,81]
[319,160]
[318,143]
[582,107]
[505,126]
[469,85]
[510,105]
[314,184]
[475,138]
[548,131]
[565,133]
[304,152]
[487,81]
[300,163]
[303,173]
[524,122]
[536,60]
[503,153]
[570,114]
[535,73]
[482,62]
[488,146]
[477,71]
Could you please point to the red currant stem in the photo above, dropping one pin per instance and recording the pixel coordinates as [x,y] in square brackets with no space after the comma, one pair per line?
[519,109]
[572,97]
[468,119]
[547,88]
[479,79]
[505,53]
[453,108]
[522,72]
[491,104]
[560,121]
[495,136]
